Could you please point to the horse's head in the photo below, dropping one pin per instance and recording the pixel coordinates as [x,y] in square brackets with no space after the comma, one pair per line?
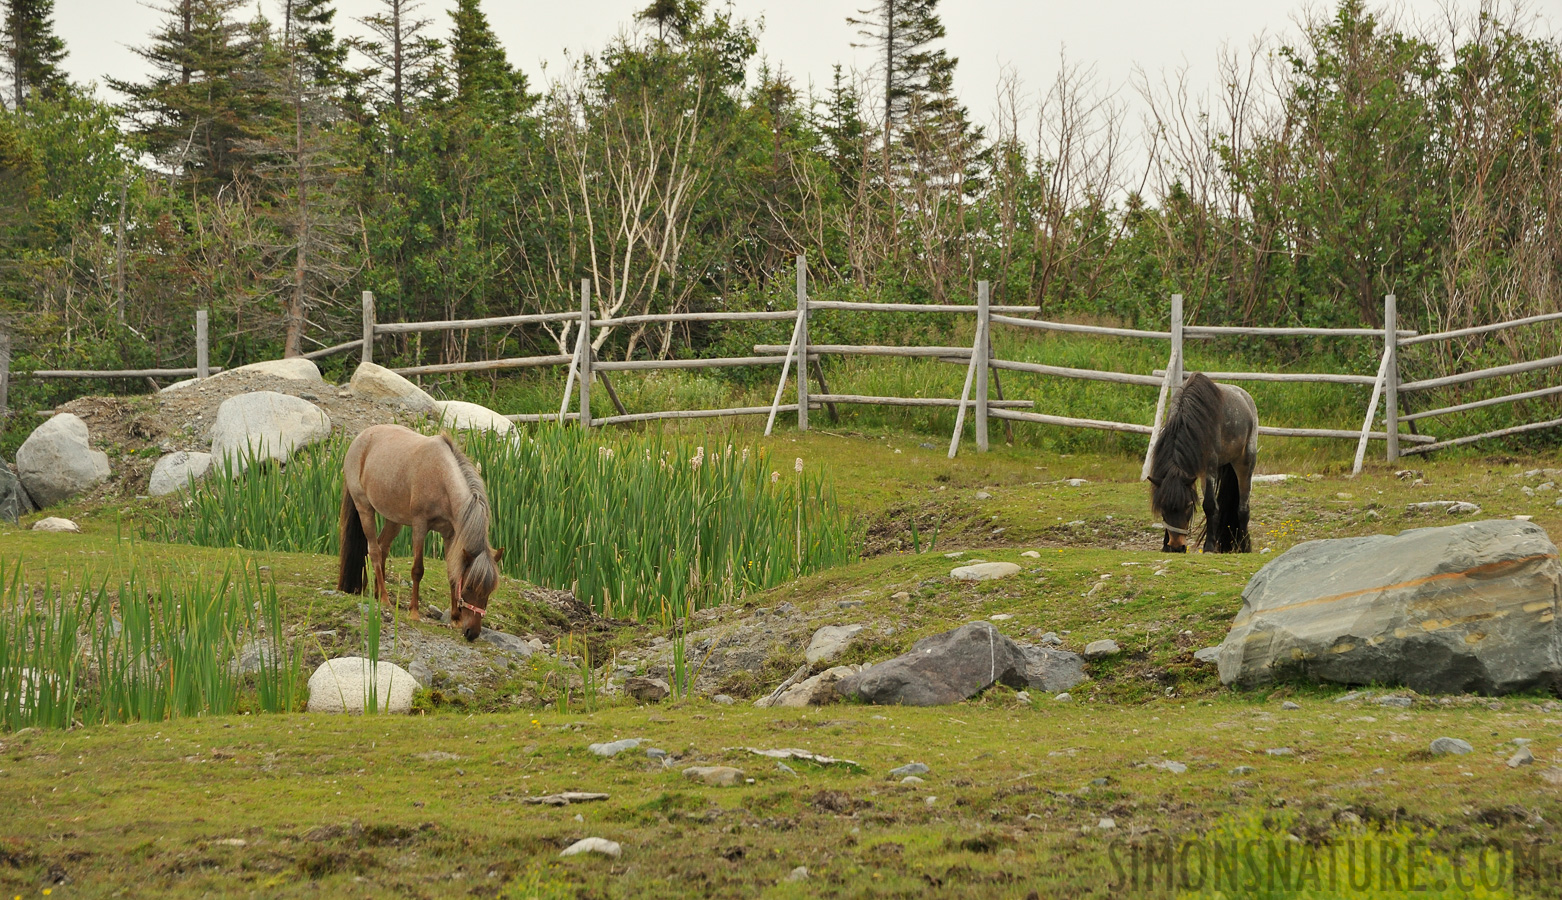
[1174,499]
[470,588]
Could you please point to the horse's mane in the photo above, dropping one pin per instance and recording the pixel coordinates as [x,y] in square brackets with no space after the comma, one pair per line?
[1191,421]
[472,529]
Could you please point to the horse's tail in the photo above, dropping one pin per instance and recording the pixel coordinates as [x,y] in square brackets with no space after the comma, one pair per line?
[1231,535]
[355,548]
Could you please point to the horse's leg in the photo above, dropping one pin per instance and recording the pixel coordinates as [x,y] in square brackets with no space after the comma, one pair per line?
[376,555]
[1244,468]
[419,532]
[1212,521]
[387,534]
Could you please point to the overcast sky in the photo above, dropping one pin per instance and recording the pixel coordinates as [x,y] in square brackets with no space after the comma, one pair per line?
[808,37]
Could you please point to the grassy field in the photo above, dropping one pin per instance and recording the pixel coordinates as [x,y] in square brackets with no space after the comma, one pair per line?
[1018,793]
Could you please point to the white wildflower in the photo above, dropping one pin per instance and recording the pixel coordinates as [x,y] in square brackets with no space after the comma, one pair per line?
[775,477]
[798,466]
[698,458]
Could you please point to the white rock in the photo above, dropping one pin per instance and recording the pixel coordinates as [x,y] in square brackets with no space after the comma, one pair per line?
[594,845]
[267,425]
[984,571]
[378,383]
[470,417]
[293,369]
[1031,554]
[801,872]
[1076,482]
[1270,479]
[176,470]
[342,685]
[56,463]
[829,642]
[55,523]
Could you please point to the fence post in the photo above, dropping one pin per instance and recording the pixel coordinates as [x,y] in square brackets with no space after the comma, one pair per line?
[585,352]
[1174,366]
[983,326]
[802,342]
[202,349]
[368,326]
[5,373]
[1391,375]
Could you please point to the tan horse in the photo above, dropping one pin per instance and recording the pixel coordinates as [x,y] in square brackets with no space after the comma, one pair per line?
[426,483]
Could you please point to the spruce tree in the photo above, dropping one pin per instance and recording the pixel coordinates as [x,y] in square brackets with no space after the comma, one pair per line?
[405,60]
[484,78]
[903,33]
[33,51]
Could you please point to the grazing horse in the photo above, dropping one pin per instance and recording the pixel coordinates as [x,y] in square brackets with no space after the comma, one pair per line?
[429,484]
[1211,434]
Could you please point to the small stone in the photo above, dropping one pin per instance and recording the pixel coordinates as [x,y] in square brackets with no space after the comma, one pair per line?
[1101,649]
[722,700]
[1522,758]
[1280,751]
[55,523]
[930,800]
[1209,655]
[647,690]
[654,753]
[986,571]
[983,495]
[716,776]
[1463,508]
[912,779]
[1051,639]
[1397,702]
[848,604]
[507,642]
[1031,554]
[1288,705]
[1172,766]
[1353,695]
[830,642]
[954,554]
[1001,617]
[613,748]
[798,874]
[900,596]
[1243,770]
[1023,696]
[1344,495]
[1063,697]
[1448,745]
[1076,482]
[594,845]
[1106,824]
[914,768]
[1552,776]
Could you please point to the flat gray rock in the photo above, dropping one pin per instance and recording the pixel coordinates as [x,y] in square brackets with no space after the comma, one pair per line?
[14,502]
[177,470]
[1447,745]
[647,690]
[716,776]
[1052,670]
[944,668]
[346,685]
[56,463]
[1468,608]
[814,691]
[1101,649]
[829,642]
[613,748]
[1209,655]
[914,768]
[506,642]
[986,571]
[265,425]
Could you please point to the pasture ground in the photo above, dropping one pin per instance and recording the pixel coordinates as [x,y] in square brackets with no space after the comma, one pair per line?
[432,805]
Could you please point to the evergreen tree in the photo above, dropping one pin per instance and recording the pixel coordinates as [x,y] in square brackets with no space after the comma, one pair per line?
[204,97]
[404,59]
[675,15]
[903,32]
[33,51]
[484,78]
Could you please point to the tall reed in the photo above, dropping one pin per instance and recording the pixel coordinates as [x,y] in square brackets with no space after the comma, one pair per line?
[637,525]
[84,651]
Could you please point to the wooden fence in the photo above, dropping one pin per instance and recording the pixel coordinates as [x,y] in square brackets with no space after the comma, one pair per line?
[982,367]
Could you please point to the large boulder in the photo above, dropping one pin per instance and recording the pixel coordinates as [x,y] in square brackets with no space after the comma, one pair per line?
[267,425]
[176,470]
[1052,670]
[470,417]
[55,462]
[380,384]
[944,668]
[14,502]
[294,368]
[829,642]
[1463,608]
[344,686]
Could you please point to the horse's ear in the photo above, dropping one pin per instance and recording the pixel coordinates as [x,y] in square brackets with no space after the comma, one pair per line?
[498,554]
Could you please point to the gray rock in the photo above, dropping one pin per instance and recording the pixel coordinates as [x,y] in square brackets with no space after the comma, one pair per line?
[1451,507]
[1063,697]
[1101,649]
[1076,482]
[798,874]
[815,691]
[1280,751]
[1051,639]
[829,642]
[380,384]
[344,686]
[1522,758]
[506,642]
[613,748]
[176,470]
[647,690]
[265,425]
[716,776]
[1172,766]
[984,571]
[1243,770]
[1396,702]
[55,462]
[983,495]
[914,768]
[14,502]
[1209,655]
[1050,670]
[470,417]
[1467,608]
[654,753]
[912,779]
[944,668]
[1448,745]
[255,655]
[722,700]
[294,368]
[1288,705]
[421,673]
[593,845]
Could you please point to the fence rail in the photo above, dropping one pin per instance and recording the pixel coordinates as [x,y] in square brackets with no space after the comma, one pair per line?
[981,366]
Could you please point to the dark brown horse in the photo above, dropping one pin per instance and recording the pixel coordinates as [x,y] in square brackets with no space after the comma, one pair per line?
[1210,435]
[426,483]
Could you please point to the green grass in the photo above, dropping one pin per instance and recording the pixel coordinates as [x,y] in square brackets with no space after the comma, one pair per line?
[639,526]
